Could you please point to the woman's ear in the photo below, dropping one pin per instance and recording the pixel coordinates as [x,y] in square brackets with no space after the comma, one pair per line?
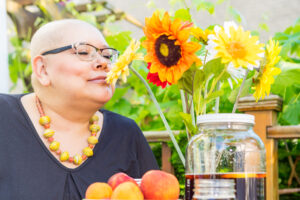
[39,68]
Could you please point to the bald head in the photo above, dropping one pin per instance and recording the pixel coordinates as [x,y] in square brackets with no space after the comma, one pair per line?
[60,33]
[57,34]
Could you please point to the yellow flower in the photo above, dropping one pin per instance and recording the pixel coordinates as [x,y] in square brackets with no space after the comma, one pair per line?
[272,52]
[235,45]
[168,49]
[201,35]
[265,77]
[121,66]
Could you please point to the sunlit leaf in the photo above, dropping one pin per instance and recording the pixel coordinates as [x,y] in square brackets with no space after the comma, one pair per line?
[183,14]
[235,14]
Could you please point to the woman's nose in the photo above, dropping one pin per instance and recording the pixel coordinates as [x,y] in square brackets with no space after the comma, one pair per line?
[101,63]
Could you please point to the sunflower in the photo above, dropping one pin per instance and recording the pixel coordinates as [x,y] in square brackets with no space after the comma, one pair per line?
[201,35]
[235,45]
[265,77]
[168,49]
[121,66]
[153,78]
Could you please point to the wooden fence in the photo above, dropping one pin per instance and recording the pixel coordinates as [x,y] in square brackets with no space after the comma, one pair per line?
[265,112]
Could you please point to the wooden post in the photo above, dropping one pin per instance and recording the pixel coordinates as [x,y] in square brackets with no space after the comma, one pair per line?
[166,153]
[165,158]
[265,112]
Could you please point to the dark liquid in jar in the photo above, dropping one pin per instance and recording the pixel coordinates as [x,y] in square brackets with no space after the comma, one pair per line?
[247,185]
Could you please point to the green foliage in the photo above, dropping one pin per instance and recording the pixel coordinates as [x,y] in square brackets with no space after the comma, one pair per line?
[289,40]
[204,5]
[175,160]
[183,14]
[287,85]
[237,16]
[19,63]
[245,91]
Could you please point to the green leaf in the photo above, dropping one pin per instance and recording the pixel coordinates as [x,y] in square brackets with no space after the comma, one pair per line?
[206,5]
[213,67]
[264,27]
[91,19]
[254,33]
[187,119]
[183,14]
[186,81]
[198,79]
[235,14]
[214,95]
[289,114]
[245,91]
[288,77]
[119,41]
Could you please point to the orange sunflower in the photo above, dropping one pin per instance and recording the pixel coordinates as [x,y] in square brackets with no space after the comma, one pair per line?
[168,49]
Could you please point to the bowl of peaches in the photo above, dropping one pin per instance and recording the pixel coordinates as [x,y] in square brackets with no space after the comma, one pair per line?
[155,184]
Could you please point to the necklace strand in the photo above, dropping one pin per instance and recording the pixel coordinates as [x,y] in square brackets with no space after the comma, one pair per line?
[54,145]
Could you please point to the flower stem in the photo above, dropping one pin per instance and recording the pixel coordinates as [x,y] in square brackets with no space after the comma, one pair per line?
[185,4]
[217,99]
[184,110]
[161,115]
[240,91]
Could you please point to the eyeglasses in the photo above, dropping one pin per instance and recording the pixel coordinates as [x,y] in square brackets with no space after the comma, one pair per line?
[88,52]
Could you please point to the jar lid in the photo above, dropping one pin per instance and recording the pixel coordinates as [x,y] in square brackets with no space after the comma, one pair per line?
[225,117]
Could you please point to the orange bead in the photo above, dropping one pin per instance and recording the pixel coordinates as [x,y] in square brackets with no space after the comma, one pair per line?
[58,152]
[50,139]
[84,157]
[94,134]
[46,126]
[71,159]
[91,146]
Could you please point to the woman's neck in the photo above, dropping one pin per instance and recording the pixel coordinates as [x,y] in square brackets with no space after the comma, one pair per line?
[67,114]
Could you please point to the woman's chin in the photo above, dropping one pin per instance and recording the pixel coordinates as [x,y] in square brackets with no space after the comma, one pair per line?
[103,96]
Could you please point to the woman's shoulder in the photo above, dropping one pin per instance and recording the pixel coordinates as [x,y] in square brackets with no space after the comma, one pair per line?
[8,99]
[117,117]
[120,123]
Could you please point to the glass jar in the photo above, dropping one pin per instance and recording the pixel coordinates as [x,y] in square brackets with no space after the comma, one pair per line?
[219,189]
[226,147]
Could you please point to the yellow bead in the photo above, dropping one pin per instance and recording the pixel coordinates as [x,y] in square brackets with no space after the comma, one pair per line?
[77,159]
[88,151]
[64,156]
[94,128]
[92,140]
[48,133]
[95,118]
[44,120]
[54,146]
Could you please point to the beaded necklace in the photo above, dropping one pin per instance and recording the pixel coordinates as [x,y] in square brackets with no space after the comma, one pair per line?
[54,145]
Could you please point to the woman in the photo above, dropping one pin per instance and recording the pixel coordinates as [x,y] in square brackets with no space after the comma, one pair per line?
[48,148]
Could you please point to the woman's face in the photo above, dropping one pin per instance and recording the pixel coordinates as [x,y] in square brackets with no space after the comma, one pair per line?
[78,79]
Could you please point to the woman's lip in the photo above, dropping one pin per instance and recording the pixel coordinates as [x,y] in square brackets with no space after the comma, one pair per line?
[100,80]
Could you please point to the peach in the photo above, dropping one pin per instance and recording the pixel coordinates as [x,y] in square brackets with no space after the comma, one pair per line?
[119,178]
[127,190]
[160,185]
[98,190]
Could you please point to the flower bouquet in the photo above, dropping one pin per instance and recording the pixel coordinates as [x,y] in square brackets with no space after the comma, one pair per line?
[201,62]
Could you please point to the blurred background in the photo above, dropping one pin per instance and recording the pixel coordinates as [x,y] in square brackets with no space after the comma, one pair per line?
[122,20]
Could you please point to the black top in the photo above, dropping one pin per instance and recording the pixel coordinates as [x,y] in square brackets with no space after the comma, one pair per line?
[28,170]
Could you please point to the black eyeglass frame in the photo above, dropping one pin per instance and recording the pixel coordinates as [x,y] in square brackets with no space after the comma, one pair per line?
[73,46]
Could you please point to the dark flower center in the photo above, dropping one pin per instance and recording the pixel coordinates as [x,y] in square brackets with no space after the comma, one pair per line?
[166,51]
